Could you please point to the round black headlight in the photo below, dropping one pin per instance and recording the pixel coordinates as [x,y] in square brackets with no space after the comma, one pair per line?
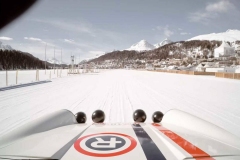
[139,116]
[98,116]
[81,117]
[157,117]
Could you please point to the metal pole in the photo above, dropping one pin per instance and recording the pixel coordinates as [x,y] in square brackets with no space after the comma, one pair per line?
[6,77]
[61,57]
[17,77]
[74,62]
[36,75]
[54,60]
[79,64]
[45,57]
[61,64]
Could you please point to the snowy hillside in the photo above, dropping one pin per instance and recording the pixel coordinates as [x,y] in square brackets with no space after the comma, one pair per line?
[5,47]
[229,35]
[52,61]
[164,42]
[143,45]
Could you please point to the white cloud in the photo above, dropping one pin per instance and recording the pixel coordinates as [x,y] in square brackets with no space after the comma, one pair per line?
[97,53]
[184,33]
[202,17]
[6,38]
[83,27]
[69,41]
[221,6]
[83,35]
[180,29]
[38,40]
[77,44]
[70,26]
[33,39]
[166,31]
[211,11]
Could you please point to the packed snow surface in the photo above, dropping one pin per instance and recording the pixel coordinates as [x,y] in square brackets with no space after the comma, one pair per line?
[229,35]
[119,92]
[28,76]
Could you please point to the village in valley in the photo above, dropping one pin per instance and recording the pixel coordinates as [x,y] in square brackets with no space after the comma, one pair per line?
[221,56]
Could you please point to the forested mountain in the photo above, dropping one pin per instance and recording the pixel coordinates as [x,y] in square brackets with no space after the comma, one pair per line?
[13,59]
[172,50]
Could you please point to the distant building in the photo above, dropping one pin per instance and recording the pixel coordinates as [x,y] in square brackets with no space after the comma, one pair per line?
[238,49]
[238,60]
[224,50]
[149,66]
[175,61]
[200,68]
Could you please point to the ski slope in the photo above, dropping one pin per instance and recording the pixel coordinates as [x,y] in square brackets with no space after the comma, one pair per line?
[120,92]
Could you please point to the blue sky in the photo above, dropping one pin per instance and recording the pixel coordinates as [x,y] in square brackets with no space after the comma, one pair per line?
[89,28]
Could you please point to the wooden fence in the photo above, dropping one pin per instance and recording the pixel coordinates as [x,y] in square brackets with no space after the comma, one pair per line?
[187,72]
[216,74]
[205,73]
[228,75]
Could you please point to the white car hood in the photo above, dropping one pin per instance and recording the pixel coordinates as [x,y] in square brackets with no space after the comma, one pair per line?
[166,140]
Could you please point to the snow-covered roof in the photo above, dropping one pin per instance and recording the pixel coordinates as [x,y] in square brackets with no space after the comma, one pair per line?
[171,67]
[224,44]
[207,65]
[200,65]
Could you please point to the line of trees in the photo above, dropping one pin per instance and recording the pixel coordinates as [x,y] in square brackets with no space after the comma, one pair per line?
[13,59]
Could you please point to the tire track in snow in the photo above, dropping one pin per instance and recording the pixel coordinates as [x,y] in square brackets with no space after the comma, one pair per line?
[120,92]
[20,120]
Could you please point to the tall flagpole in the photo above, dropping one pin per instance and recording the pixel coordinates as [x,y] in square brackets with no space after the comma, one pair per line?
[61,64]
[79,62]
[45,57]
[61,57]
[54,60]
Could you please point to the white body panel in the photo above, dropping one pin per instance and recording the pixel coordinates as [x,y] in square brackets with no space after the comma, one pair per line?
[137,153]
[179,136]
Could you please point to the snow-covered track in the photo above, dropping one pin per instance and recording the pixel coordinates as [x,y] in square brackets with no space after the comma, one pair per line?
[22,85]
[120,92]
